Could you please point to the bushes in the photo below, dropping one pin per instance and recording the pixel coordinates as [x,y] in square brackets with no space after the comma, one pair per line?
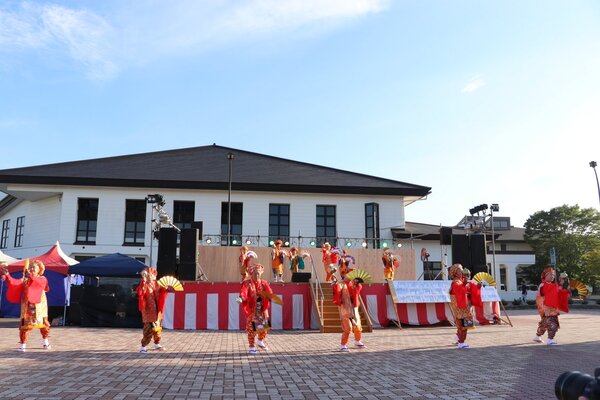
[530,302]
[517,302]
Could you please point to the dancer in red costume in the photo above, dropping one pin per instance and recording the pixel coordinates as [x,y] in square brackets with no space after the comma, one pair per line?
[256,306]
[151,302]
[277,256]
[551,298]
[346,295]
[243,262]
[330,261]
[460,292]
[30,291]
[345,262]
[390,263]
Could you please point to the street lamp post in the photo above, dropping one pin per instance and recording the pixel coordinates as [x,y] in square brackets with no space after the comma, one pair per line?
[493,207]
[230,157]
[593,164]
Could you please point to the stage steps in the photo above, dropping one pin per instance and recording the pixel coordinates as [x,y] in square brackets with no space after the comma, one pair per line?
[330,316]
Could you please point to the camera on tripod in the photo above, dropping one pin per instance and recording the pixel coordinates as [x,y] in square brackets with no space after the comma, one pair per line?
[573,385]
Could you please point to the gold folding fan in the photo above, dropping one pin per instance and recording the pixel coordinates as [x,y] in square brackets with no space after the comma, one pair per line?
[360,274]
[484,276]
[170,281]
[271,296]
[582,290]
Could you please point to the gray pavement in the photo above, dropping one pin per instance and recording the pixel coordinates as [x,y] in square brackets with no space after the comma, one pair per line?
[418,362]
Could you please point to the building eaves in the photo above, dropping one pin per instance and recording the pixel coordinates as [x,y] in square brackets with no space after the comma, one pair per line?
[207,167]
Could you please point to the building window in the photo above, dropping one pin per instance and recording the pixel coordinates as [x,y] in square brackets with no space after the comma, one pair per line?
[135,222]
[5,231]
[236,224]
[87,220]
[183,214]
[432,270]
[19,231]
[372,225]
[279,222]
[326,226]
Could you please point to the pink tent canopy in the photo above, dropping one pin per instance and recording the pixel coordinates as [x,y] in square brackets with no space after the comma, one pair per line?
[54,260]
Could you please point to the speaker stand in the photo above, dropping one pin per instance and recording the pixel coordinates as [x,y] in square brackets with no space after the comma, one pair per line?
[201,276]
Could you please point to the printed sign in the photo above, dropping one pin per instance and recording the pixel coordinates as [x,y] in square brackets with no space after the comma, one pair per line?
[432,292]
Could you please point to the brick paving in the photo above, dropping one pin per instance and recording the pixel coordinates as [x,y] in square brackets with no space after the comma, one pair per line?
[414,362]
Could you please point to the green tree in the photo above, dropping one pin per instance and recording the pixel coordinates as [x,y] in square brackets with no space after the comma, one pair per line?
[575,235]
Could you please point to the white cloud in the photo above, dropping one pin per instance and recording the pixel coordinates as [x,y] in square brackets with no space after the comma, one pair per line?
[474,84]
[139,32]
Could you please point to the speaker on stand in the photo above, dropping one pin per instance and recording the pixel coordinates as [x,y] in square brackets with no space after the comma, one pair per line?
[188,254]
[166,263]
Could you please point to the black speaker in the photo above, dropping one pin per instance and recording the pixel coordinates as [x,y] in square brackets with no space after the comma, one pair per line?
[445,235]
[167,252]
[188,250]
[300,276]
[460,250]
[187,271]
[477,249]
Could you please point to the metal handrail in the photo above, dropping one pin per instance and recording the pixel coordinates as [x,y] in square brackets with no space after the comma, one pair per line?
[318,294]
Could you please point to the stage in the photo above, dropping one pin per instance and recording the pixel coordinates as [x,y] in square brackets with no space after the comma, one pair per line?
[212,306]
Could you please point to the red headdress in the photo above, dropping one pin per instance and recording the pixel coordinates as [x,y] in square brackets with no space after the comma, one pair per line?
[454,270]
[257,268]
[546,271]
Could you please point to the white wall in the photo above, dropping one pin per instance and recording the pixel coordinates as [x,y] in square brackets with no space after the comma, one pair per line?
[55,218]
[40,232]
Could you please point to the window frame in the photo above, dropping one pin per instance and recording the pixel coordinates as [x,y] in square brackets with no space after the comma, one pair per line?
[19,228]
[237,217]
[373,240]
[5,233]
[279,230]
[323,230]
[89,217]
[138,223]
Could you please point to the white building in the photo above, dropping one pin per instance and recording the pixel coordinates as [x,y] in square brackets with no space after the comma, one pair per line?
[100,206]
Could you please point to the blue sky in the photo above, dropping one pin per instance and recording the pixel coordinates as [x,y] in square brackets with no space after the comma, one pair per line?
[484,101]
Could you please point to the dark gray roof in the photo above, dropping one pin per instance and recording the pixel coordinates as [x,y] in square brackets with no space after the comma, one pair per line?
[207,167]
[417,230]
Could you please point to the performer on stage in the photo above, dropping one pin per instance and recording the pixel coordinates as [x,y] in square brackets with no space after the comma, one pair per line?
[256,306]
[390,263]
[460,291]
[346,295]
[330,261]
[345,262]
[151,302]
[296,260]
[30,291]
[243,262]
[551,298]
[277,256]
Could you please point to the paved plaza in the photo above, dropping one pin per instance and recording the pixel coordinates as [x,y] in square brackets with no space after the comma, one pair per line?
[414,362]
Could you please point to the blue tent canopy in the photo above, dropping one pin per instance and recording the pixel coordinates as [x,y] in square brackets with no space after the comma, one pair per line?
[110,265]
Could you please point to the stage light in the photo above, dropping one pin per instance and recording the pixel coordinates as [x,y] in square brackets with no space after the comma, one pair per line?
[364,245]
[312,242]
[286,243]
[208,240]
[348,244]
[384,244]
[399,245]
[271,242]
[234,242]
[248,241]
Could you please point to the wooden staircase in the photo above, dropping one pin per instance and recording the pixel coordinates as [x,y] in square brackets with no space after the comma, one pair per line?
[329,314]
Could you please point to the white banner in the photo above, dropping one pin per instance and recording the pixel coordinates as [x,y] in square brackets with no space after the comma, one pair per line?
[432,292]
